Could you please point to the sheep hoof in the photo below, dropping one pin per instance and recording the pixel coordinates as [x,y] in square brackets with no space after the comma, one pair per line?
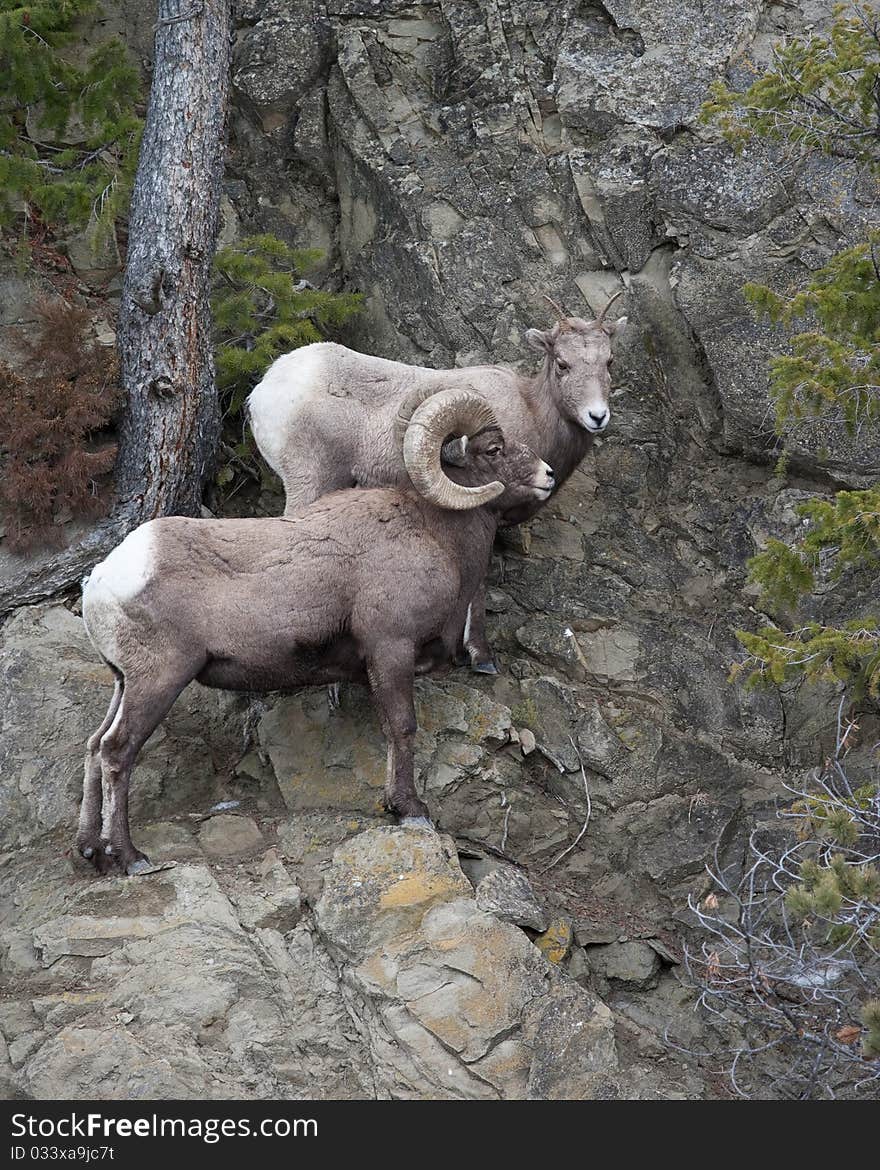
[418,823]
[87,852]
[484,667]
[140,865]
[334,700]
[144,866]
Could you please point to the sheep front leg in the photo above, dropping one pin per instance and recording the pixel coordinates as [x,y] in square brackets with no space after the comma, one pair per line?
[475,641]
[392,674]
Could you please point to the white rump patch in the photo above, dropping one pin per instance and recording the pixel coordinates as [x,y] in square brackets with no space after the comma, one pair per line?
[119,578]
[128,568]
[273,405]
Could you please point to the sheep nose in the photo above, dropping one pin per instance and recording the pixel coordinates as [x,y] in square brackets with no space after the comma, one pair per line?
[599,417]
[551,475]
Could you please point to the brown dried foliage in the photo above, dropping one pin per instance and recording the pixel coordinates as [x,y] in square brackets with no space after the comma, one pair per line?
[54,461]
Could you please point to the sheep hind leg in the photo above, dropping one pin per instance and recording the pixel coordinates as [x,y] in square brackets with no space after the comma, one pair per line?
[145,703]
[475,641]
[391,680]
[88,837]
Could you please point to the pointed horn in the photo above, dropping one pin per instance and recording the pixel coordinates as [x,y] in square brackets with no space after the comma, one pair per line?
[601,316]
[444,413]
[561,315]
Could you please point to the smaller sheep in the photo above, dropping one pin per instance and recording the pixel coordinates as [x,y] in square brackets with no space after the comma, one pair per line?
[368,585]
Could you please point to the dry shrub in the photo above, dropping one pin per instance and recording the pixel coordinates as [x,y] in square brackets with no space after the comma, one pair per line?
[54,461]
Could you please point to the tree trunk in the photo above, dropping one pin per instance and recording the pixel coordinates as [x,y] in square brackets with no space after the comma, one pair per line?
[171,423]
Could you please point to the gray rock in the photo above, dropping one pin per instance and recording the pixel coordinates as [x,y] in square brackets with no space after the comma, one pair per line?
[17,303]
[17,1019]
[571,1034]
[276,900]
[20,1050]
[167,841]
[616,67]
[453,996]
[673,842]
[400,987]
[336,759]
[589,933]
[506,892]
[275,64]
[527,741]
[177,998]
[633,963]
[94,256]
[225,835]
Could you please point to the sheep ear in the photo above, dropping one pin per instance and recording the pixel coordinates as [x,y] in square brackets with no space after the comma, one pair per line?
[537,339]
[455,452]
[615,328]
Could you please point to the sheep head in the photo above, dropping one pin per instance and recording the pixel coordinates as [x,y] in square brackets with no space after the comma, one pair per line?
[445,413]
[458,429]
[577,369]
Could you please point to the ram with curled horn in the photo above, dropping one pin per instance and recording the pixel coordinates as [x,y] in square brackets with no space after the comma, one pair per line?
[370,584]
[326,417]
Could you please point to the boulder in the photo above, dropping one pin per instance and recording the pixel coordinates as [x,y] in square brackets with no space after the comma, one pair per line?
[634,963]
[452,994]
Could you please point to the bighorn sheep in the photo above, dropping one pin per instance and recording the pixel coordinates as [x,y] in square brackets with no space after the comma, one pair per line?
[324,417]
[370,585]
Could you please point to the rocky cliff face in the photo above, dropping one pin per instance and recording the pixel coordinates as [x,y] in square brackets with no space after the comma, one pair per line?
[456,160]
[460,159]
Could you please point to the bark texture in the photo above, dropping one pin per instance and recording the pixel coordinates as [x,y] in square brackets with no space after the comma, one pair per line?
[171,424]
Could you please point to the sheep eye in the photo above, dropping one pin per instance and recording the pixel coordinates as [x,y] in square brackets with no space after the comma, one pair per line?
[561,365]
[493,451]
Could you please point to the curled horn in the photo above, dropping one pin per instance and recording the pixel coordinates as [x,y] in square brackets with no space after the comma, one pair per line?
[561,315]
[441,414]
[407,409]
[601,316]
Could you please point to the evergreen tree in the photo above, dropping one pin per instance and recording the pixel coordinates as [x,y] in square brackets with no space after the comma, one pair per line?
[822,94]
[263,306]
[43,94]
[799,966]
